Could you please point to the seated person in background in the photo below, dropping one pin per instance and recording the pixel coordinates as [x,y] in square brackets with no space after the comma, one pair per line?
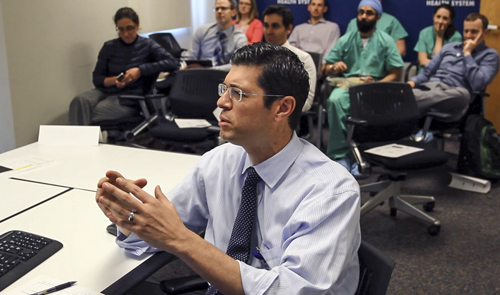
[217,41]
[367,50]
[391,26]
[431,39]
[247,20]
[448,80]
[298,209]
[317,35]
[140,59]
[278,23]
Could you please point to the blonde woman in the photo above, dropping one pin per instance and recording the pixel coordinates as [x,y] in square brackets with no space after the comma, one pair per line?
[247,20]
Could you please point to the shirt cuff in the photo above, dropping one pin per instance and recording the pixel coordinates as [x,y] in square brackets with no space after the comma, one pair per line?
[254,280]
[133,244]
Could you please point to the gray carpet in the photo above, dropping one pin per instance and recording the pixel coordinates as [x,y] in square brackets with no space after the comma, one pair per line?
[463,258]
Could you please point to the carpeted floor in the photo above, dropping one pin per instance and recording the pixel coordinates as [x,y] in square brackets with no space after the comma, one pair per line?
[464,258]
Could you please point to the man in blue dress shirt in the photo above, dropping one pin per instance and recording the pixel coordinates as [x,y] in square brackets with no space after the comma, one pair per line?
[306,226]
[448,80]
[207,37]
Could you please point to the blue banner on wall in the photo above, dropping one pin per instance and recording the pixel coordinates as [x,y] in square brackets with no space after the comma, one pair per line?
[414,15]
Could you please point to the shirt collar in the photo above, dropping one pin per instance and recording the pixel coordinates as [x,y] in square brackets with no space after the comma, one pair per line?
[227,31]
[273,169]
[320,21]
[478,48]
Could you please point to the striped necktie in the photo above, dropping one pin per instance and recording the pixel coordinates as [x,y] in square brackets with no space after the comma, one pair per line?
[219,50]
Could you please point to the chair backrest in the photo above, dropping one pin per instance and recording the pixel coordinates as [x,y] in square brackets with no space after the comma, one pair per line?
[167,41]
[194,93]
[375,271]
[389,108]
[317,58]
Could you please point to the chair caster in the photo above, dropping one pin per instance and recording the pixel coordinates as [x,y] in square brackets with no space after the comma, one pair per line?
[433,230]
[429,206]
[394,212]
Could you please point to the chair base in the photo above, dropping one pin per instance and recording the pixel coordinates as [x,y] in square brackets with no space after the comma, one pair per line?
[390,190]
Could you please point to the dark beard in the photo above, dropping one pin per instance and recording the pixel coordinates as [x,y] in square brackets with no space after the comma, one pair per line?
[365,26]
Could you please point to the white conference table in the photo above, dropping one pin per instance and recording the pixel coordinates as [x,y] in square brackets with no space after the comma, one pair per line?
[82,167]
[64,181]
[18,196]
[89,254]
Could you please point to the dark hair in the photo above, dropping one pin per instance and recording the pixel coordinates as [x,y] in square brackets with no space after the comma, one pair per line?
[474,15]
[325,3]
[126,12]
[451,29]
[282,74]
[231,2]
[284,11]
[254,13]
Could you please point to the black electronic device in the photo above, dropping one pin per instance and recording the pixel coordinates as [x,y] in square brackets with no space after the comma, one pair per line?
[120,77]
[20,252]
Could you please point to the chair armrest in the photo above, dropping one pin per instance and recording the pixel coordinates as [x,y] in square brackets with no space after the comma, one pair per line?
[183,285]
[357,122]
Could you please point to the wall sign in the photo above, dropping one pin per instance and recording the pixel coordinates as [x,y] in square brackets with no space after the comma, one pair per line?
[454,3]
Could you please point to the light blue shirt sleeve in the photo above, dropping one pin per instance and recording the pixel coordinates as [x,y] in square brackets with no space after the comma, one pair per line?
[307,224]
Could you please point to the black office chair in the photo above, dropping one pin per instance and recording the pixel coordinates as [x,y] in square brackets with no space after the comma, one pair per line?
[167,41]
[124,130]
[385,113]
[375,271]
[193,96]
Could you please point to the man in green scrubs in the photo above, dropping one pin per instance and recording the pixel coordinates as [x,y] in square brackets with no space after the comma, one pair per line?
[389,24]
[366,50]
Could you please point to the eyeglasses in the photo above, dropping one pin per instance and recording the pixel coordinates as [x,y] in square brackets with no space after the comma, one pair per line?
[221,8]
[236,94]
[367,12]
[127,28]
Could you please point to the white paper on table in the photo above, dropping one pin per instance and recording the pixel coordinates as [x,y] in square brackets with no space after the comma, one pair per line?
[24,164]
[43,283]
[469,183]
[393,150]
[192,123]
[69,135]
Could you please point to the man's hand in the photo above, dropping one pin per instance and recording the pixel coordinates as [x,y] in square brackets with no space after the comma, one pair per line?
[412,84]
[131,75]
[339,67]
[156,220]
[470,45]
[111,177]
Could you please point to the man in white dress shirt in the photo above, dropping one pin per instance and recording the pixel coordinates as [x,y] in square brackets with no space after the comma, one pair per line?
[278,23]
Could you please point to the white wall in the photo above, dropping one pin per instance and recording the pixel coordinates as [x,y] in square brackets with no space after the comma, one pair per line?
[52,46]
[7,141]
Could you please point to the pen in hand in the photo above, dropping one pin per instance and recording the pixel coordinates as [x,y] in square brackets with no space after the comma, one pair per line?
[55,288]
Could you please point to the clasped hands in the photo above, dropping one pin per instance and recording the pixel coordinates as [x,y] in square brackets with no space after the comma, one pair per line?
[155,220]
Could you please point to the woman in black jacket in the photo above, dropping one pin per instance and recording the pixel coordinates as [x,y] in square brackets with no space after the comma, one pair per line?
[128,64]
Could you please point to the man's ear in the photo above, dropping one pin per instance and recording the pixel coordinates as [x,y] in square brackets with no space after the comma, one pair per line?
[289,29]
[286,105]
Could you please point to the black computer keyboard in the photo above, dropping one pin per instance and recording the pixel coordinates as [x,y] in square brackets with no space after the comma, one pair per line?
[20,252]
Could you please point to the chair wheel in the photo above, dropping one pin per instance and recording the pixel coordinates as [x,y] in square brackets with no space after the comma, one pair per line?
[429,206]
[394,212]
[433,230]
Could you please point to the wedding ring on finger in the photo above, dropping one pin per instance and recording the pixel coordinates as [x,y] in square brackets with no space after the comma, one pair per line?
[131,215]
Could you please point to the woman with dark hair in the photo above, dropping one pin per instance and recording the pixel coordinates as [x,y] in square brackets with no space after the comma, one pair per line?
[128,64]
[247,20]
[432,38]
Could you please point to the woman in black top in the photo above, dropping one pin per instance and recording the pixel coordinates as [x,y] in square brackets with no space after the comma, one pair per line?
[139,59]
